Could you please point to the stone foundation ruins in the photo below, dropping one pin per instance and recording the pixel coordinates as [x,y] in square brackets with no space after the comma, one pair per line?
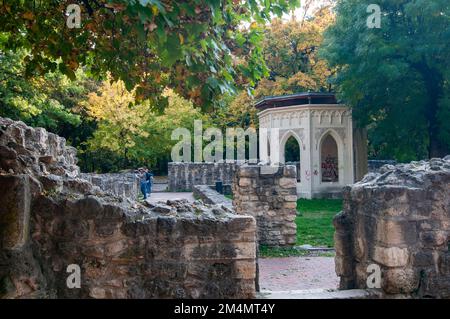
[398,219]
[125,185]
[270,195]
[50,219]
[210,196]
[184,176]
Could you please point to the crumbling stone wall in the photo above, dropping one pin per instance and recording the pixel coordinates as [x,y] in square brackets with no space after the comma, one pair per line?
[209,195]
[119,184]
[184,176]
[50,219]
[35,151]
[398,219]
[270,195]
[178,250]
[374,166]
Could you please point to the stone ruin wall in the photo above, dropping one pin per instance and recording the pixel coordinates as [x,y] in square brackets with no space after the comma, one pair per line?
[184,176]
[50,218]
[125,185]
[208,195]
[398,219]
[374,166]
[270,195]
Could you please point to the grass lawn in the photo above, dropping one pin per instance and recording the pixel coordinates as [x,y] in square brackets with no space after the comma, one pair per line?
[314,227]
[315,221]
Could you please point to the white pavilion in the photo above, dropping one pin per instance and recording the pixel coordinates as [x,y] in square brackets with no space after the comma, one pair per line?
[332,153]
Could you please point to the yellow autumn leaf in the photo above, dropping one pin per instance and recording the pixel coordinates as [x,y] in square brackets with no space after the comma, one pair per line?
[181,38]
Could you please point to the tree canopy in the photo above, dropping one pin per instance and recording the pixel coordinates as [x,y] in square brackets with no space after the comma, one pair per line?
[133,132]
[50,101]
[290,50]
[200,48]
[137,69]
[396,77]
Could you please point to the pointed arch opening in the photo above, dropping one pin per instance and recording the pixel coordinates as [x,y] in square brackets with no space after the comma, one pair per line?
[292,150]
[329,160]
[292,154]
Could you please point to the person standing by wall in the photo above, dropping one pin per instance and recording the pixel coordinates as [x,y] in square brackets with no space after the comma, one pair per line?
[149,180]
[141,174]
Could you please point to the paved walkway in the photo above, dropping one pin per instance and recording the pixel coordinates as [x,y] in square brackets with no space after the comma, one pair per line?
[297,273]
[322,294]
[162,197]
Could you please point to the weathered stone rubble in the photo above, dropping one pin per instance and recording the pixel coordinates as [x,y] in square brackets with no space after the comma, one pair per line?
[270,195]
[398,219]
[49,219]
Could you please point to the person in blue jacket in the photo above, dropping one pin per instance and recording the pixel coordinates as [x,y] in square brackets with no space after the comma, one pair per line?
[149,180]
[142,176]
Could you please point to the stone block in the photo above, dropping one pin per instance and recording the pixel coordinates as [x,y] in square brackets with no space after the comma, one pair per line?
[290,198]
[15,199]
[249,171]
[392,256]
[290,205]
[245,182]
[287,182]
[400,281]
[395,232]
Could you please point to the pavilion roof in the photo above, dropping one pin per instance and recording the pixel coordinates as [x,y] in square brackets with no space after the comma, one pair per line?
[296,99]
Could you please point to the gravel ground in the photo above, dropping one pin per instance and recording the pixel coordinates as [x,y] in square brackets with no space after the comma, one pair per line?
[296,273]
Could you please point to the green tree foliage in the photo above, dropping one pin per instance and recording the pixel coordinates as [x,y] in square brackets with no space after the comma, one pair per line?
[396,77]
[292,150]
[48,101]
[120,119]
[290,51]
[186,45]
[132,134]
[179,113]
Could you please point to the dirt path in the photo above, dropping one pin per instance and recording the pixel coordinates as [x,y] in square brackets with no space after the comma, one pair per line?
[296,273]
